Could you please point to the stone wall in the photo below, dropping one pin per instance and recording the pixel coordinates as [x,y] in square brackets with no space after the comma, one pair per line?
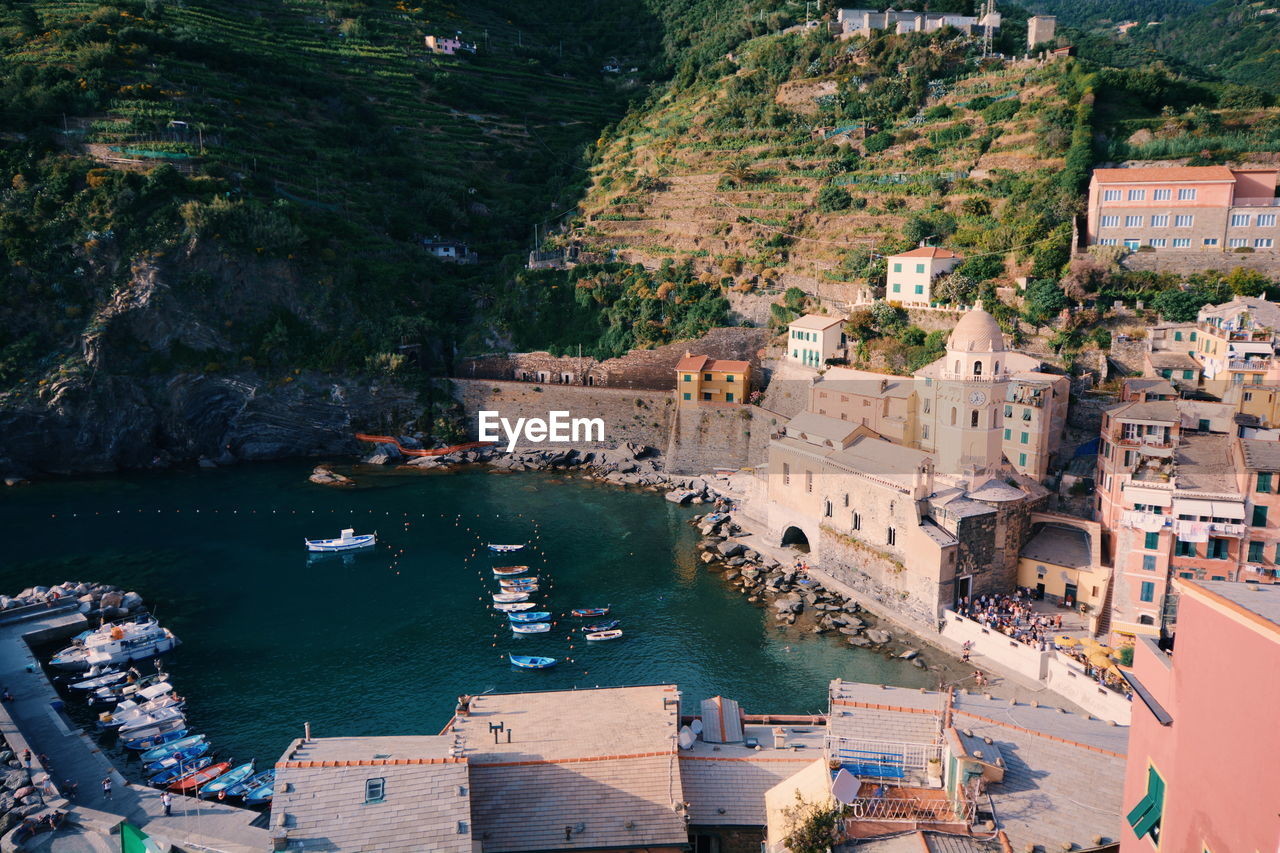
[706,437]
[911,596]
[1184,263]
[653,370]
[1066,677]
[641,417]
[1129,354]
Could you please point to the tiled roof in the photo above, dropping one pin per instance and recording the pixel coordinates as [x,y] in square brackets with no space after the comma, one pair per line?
[1262,600]
[1163,174]
[425,806]
[1203,462]
[893,714]
[1060,546]
[816,321]
[618,803]
[927,252]
[1175,360]
[694,363]
[1261,455]
[816,428]
[847,380]
[730,792]
[1151,410]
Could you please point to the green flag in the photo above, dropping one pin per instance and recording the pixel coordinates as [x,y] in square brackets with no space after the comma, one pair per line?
[134,840]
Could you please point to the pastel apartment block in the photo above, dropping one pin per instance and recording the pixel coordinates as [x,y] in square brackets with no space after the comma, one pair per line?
[814,338]
[701,380]
[911,274]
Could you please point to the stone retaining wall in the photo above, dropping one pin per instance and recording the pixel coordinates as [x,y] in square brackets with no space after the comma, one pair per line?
[910,596]
[707,437]
[1184,263]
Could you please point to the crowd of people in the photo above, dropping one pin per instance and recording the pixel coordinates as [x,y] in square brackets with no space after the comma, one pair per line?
[1013,615]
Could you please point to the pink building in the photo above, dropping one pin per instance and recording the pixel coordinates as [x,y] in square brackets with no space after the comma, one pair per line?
[1201,775]
[1188,208]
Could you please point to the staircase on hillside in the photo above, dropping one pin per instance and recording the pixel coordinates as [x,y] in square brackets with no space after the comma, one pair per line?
[1104,618]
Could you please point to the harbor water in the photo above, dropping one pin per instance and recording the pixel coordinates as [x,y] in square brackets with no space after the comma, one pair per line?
[383,641]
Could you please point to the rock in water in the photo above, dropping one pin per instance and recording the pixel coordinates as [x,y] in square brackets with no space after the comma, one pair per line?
[323,476]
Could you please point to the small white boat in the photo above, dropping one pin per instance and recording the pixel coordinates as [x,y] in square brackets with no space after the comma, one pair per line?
[515,606]
[348,541]
[517,583]
[598,636]
[156,722]
[505,549]
[509,571]
[130,711]
[509,597]
[530,627]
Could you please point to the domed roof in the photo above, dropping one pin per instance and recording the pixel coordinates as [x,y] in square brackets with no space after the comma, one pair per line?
[977,331]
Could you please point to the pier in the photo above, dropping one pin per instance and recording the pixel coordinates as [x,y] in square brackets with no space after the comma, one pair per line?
[34,720]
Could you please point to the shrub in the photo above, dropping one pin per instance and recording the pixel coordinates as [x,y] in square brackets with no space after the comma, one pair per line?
[877,142]
[1001,111]
[832,198]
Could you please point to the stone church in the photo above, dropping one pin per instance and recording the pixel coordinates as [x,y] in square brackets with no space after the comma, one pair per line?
[919,516]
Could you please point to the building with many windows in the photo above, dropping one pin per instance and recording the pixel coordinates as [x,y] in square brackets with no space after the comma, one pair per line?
[700,379]
[1188,208]
[814,338]
[910,276]
[1210,700]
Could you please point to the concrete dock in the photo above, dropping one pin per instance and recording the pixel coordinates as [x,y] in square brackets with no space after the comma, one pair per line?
[33,722]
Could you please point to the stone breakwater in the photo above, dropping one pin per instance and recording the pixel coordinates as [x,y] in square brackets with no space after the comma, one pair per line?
[96,599]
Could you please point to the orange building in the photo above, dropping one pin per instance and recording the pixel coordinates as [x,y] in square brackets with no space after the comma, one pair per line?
[700,379]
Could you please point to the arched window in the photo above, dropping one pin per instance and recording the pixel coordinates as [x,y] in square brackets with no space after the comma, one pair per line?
[977,368]
[953,415]
[996,369]
[973,418]
[993,418]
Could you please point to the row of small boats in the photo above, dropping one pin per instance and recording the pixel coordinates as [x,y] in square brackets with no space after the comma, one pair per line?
[516,588]
[148,718]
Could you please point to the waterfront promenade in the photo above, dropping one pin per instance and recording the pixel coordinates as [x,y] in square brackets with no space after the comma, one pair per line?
[32,721]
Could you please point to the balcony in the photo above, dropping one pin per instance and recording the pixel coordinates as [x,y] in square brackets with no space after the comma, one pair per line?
[1256,202]
[1254,364]
[906,805]
[1154,441]
[1145,521]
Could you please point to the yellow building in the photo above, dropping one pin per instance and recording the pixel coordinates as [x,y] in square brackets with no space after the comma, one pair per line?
[1061,563]
[700,379]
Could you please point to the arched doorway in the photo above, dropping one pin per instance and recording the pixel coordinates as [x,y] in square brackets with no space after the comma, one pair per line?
[793,537]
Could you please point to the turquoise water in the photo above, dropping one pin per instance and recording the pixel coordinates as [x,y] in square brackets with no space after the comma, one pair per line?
[383,642]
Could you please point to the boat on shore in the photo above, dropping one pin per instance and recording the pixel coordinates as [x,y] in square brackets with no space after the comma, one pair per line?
[164,750]
[505,549]
[172,774]
[591,611]
[599,636]
[530,616]
[532,661]
[218,787]
[509,571]
[530,627]
[515,606]
[595,627]
[199,778]
[348,541]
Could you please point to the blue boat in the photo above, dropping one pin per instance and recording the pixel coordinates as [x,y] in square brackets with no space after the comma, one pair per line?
[164,750]
[150,741]
[177,771]
[529,616]
[253,783]
[602,626]
[532,661]
[185,755]
[218,787]
[262,795]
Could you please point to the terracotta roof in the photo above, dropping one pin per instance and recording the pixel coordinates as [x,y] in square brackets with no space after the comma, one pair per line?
[927,252]
[1163,174]
[816,321]
[695,363]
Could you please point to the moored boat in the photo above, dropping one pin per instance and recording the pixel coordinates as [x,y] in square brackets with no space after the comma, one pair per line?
[172,774]
[509,597]
[598,636]
[591,611]
[199,778]
[152,741]
[509,583]
[505,549]
[262,795]
[218,787]
[515,606]
[164,750]
[130,711]
[185,755]
[530,616]
[118,643]
[253,783]
[601,626]
[530,627]
[143,689]
[509,571]
[105,679]
[156,723]
[348,541]
[532,661]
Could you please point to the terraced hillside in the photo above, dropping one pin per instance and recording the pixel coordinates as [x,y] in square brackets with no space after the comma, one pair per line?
[767,178]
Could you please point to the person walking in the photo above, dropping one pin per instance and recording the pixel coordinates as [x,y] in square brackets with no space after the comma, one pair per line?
[106,787]
[166,800]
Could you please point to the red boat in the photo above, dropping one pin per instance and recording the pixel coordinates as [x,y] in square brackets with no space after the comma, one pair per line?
[199,777]
[508,571]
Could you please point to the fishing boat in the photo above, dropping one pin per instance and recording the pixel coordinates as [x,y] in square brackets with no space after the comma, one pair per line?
[532,661]
[141,744]
[515,606]
[218,787]
[509,583]
[348,541]
[186,755]
[142,690]
[519,585]
[530,616]
[200,778]
[155,723]
[595,627]
[509,597]
[530,627]
[128,711]
[262,795]
[164,750]
[172,774]
[509,571]
[118,643]
[505,549]
[598,636]
[101,679]
[591,611]
[253,783]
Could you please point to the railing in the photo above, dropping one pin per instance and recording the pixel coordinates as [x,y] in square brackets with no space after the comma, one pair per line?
[878,759]
[1144,441]
[951,376]
[891,809]
[1250,364]
[1259,201]
[1134,518]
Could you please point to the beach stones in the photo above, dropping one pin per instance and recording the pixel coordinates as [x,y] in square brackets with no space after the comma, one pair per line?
[878,636]
[16,779]
[731,549]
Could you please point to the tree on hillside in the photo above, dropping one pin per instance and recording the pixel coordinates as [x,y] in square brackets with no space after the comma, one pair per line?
[1179,306]
[860,325]
[1245,282]
[832,198]
[1045,300]
[890,320]
[955,288]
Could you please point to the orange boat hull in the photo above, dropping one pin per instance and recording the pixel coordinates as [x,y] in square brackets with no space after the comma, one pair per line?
[200,777]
